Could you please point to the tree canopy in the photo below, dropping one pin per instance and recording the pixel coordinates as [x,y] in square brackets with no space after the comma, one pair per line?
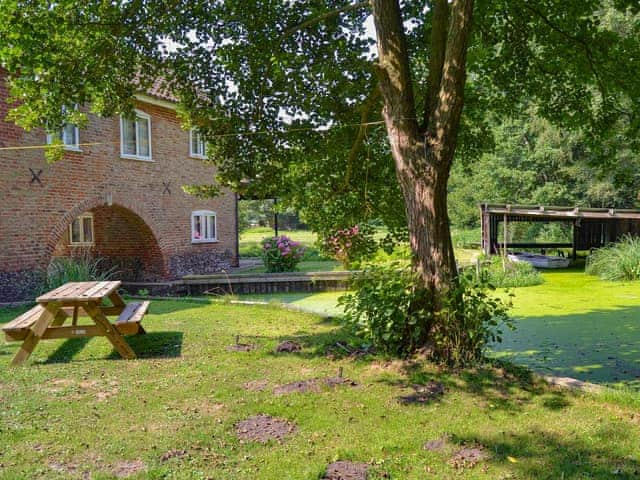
[293,98]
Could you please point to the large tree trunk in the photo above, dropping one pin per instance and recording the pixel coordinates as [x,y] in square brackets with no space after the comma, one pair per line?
[423,152]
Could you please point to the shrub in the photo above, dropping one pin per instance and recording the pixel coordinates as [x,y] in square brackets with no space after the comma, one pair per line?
[618,261]
[82,268]
[281,254]
[508,274]
[469,320]
[391,310]
[350,245]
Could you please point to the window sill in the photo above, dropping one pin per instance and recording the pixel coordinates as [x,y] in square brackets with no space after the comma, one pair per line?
[215,240]
[72,148]
[135,157]
[81,244]
[198,157]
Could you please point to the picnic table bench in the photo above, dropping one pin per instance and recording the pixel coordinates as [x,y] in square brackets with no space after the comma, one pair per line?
[68,302]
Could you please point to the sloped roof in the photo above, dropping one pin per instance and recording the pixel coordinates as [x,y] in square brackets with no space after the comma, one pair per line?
[161,90]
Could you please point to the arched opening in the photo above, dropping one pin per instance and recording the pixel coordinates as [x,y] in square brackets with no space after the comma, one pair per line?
[122,241]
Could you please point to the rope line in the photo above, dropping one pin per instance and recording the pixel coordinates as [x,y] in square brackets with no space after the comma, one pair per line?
[219,135]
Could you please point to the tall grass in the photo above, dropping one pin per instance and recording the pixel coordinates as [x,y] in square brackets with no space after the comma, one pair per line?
[618,261]
[76,269]
[511,274]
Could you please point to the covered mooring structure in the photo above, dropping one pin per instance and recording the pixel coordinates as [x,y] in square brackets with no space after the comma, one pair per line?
[592,227]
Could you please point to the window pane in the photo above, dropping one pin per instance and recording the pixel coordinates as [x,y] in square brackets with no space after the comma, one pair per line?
[212,227]
[194,143]
[143,137]
[69,134]
[75,231]
[87,229]
[197,227]
[128,137]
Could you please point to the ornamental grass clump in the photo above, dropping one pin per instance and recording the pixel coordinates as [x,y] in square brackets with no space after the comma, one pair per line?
[618,261]
[281,254]
[505,273]
[82,268]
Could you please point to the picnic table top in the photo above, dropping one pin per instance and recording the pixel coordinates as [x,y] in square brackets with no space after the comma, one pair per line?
[80,292]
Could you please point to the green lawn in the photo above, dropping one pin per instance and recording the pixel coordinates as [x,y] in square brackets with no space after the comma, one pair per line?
[76,411]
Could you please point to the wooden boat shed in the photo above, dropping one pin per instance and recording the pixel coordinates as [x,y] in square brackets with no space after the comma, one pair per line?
[592,227]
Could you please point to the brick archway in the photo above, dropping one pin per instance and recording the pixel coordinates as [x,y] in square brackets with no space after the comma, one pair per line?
[119,227]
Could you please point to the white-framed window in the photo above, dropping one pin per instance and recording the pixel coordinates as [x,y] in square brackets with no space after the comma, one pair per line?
[197,145]
[203,226]
[81,230]
[135,137]
[69,135]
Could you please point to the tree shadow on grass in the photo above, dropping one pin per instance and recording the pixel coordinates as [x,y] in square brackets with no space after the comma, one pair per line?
[150,345]
[154,345]
[540,454]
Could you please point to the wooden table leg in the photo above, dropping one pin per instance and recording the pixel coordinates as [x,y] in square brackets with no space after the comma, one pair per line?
[47,317]
[118,302]
[119,343]
[74,322]
[61,317]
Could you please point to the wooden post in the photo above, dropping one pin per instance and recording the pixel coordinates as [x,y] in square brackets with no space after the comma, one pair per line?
[504,245]
[275,217]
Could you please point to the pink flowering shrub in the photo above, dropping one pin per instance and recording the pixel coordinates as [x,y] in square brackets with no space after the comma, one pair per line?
[350,244]
[281,254]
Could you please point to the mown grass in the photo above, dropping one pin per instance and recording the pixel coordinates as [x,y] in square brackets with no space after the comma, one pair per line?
[76,410]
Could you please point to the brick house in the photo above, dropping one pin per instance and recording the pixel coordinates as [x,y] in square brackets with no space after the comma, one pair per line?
[116,195]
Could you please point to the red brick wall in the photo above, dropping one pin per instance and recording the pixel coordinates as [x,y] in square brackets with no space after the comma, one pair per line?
[34,218]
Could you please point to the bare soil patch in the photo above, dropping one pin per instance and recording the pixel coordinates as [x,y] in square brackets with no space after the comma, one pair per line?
[339,382]
[288,347]
[262,428]
[437,445]
[424,393]
[241,347]
[301,386]
[126,468]
[344,470]
[313,385]
[256,385]
[173,454]
[468,457]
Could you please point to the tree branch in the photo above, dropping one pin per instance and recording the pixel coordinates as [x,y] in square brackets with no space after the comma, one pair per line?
[393,67]
[321,18]
[439,26]
[444,121]
[575,39]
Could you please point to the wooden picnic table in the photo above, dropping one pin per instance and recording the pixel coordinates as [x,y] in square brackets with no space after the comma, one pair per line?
[70,301]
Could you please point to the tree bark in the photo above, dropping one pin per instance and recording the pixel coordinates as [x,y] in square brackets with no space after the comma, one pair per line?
[423,153]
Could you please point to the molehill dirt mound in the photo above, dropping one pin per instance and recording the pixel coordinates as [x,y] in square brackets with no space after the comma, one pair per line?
[424,393]
[468,457]
[262,428]
[288,347]
[344,470]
